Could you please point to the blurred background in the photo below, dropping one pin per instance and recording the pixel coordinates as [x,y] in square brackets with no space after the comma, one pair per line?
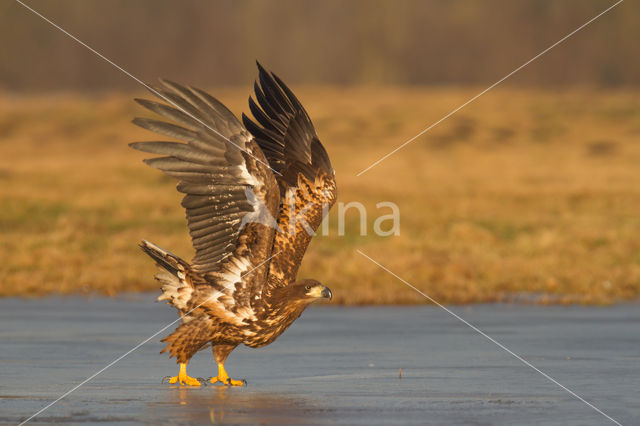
[407,42]
[529,194]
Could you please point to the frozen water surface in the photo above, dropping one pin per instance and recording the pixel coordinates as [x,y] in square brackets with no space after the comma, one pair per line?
[333,366]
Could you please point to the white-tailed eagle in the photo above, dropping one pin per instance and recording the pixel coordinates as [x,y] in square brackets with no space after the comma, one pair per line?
[241,287]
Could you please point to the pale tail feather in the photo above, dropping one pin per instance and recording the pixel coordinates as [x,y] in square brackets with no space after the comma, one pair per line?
[175,288]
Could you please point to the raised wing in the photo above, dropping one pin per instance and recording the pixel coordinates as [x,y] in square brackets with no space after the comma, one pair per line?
[284,132]
[228,187]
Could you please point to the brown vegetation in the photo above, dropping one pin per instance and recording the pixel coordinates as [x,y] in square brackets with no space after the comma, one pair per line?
[523,195]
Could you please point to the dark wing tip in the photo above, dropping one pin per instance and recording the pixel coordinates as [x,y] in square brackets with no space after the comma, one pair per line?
[263,74]
[139,121]
[169,84]
[246,119]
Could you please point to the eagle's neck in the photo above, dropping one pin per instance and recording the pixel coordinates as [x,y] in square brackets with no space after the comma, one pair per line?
[286,310]
[275,319]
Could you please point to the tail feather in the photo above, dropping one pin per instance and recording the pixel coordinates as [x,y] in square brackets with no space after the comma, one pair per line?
[176,288]
[164,259]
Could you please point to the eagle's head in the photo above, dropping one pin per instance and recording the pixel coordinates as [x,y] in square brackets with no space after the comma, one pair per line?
[310,290]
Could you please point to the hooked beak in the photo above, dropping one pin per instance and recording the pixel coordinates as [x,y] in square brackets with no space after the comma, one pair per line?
[326,293]
[320,292]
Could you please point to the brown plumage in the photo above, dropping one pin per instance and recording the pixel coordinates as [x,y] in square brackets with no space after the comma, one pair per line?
[254,195]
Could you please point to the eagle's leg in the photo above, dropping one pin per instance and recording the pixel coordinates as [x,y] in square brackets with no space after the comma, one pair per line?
[182,377]
[220,353]
[224,378]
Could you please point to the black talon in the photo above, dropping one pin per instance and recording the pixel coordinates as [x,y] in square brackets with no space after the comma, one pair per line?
[165,378]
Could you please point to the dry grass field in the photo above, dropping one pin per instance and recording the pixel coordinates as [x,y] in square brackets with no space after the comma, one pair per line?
[522,196]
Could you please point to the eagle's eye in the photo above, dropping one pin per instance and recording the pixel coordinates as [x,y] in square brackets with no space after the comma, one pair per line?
[307,287]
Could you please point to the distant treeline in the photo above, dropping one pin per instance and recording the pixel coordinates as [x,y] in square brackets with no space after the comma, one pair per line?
[403,42]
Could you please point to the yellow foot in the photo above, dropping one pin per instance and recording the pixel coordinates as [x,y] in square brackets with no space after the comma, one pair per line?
[224,378]
[182,378]
[227,381]
[189,381]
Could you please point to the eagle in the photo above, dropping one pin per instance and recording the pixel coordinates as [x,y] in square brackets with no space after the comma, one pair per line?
[255,192]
